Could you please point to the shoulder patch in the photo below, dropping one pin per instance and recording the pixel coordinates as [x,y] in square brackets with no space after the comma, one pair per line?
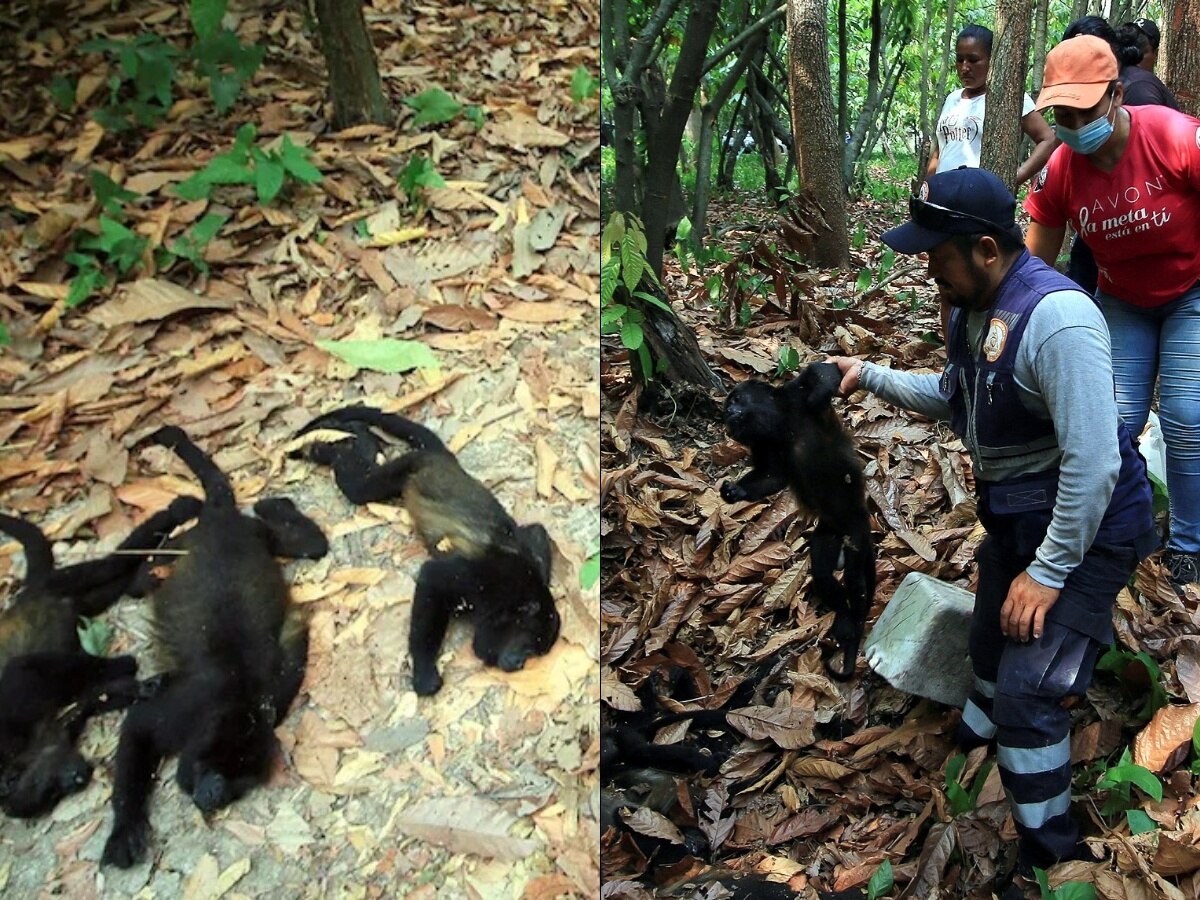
[923,190]
[997,337]
[1198,137]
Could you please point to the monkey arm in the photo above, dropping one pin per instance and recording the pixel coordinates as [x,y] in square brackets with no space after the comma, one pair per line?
[757,484]
[435,599]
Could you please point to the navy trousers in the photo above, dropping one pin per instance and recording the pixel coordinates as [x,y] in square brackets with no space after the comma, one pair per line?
[1019,688]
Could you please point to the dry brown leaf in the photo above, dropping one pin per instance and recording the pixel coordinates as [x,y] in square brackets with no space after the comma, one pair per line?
[616,693]
[652,824]
[790,727]
[803,825]
[466,825]
[522,132]
[822,768]
[150,299]
[541,312]
[1157,746]
[451,317]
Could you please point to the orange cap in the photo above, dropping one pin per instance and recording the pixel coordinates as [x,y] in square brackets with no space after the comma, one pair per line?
[1078,73]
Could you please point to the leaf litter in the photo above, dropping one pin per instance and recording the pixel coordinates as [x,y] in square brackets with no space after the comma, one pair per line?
[487,789]
[820,783]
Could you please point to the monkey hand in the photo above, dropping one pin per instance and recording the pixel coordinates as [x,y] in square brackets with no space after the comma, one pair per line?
[127,845]
[732,492]
[1023,614]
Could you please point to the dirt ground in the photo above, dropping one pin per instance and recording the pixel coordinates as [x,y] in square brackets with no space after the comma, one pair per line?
[489,788]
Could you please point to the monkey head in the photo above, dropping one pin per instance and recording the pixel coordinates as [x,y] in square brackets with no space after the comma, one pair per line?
[506,635]
[752,413]
[230,757]
[50,770]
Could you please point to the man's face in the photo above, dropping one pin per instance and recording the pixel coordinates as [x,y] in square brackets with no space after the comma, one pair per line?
[961,281]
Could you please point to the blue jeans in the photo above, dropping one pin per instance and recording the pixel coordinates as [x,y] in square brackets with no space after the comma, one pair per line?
[1163,343]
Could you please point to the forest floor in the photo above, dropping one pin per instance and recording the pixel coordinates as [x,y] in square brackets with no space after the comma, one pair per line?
[487,789]
[823,786]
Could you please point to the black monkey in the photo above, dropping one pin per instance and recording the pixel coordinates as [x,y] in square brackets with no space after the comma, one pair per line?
[482,561]
[49,686]
[797,441]
[235,651]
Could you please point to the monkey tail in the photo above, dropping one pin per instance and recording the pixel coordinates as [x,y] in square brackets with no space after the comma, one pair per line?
[39,558]
[417,436]
[217,489]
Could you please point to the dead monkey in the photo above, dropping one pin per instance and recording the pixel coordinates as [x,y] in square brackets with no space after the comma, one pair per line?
[483,563]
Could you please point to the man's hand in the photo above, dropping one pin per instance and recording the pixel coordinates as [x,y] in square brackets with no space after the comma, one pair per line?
[851,369]
[1023,614]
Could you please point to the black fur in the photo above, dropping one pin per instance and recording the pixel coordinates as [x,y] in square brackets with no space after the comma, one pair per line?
[50,687]
[235,651]
[483,562]
[797,441]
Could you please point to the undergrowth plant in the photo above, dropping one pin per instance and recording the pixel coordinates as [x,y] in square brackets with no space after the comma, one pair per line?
[623,265]
[963,797]
[246,163]
[1133,669]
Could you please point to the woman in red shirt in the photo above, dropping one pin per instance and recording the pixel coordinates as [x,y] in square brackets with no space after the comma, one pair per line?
[1128,181]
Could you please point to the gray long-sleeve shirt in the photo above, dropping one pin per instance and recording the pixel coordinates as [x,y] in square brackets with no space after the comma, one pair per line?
[1063,370]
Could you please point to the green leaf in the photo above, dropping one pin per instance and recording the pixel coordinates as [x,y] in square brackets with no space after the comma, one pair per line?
[295,160]
[268,179]
[475,116]
[632,335]
[5,337]
[110,195]
[1075,890]
[224,88]
[62,92]
[653,301]
[589,574]
[83,285]
[384,355]
[433,107]
[583,85]
[1139,822]
[864,280]
[206,16]
[1132,773]
[881,881]
[94,635]
[242,141]
[613,314]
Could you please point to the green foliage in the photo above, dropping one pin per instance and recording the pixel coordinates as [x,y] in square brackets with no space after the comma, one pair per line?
[1069,890]
[433,107]
[590,573]
[245,163]
[1196,748]
[1120,779]
[1127,666]
[1139,822]
[94,636]
[116,249]
[881,881]
[583,85]
[384,355]
[963,800]
[623,265]
[140,93]
[110,196]
[190,245]
[62,92]
[417,176]
[5,337]
[789,361]
[475,115]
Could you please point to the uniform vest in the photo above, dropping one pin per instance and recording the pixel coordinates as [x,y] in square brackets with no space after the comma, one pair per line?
[986,410]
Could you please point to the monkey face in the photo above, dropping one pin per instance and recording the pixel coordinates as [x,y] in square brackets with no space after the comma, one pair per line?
[508,636]
[751,412]
[33,786]
[235,758]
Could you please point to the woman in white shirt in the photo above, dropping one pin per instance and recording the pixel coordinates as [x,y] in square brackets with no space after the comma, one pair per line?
[960,125]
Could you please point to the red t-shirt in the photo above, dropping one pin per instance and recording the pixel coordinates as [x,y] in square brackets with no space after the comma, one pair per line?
[1142,219]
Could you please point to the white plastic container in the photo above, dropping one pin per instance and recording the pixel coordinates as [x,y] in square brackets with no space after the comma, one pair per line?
[919,643]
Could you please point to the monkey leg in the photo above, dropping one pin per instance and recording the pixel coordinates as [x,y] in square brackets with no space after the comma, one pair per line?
[755,485]
[290,533]
[415,435]
[38,684]
[847,628]
[535,539]
[293,643]
[433,605]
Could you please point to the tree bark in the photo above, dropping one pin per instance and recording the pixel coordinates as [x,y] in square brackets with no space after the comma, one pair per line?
[843,124]
[1183,55]
[923,122]
[1006,90]
[1040,13]
[354,85]
[818,158]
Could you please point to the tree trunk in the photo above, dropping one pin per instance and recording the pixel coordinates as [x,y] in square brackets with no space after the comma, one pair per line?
[354,85]
[947,53]
[870,105]
[818,160]
[1006,90]
[923,122]
[1040,13]
[843,124]
[1183,55]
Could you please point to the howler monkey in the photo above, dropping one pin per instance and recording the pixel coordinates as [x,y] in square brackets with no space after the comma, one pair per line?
[49,686]
[234,651]
[483,562]
[797,441]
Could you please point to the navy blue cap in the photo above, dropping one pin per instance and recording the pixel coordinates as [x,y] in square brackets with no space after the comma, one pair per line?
[959,201]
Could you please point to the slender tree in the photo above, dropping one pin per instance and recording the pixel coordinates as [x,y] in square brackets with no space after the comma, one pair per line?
[817,147]
[1006,90]
[354,85]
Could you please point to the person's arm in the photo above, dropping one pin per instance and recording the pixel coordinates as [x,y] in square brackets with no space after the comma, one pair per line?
[1044,141]
[919,392]
[1044,242]
[931,169]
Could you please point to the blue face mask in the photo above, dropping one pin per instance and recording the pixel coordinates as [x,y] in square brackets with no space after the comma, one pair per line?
[1090,137]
